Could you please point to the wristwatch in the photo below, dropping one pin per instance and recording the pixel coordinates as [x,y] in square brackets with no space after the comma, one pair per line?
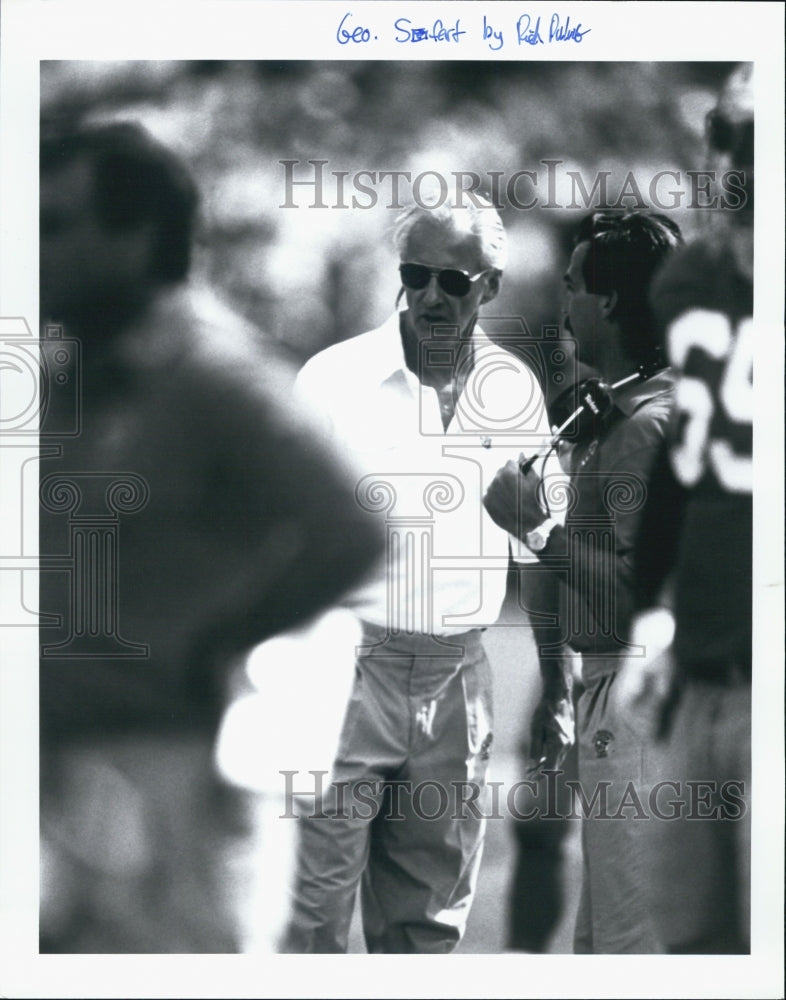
[537,539]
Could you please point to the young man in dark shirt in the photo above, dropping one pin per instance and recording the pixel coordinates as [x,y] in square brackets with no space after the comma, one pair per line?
[191,512]
[606,311]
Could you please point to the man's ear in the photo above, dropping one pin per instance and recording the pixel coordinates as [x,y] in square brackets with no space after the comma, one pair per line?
[608,303]
[492,286]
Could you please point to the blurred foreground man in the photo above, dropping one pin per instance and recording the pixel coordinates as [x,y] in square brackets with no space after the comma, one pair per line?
[180,524]
[606,311]
[695,551]
[431,408]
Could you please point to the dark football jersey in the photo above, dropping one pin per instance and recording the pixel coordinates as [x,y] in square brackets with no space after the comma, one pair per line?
[704,308]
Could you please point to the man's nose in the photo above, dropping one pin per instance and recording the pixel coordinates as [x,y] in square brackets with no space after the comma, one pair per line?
[432,292]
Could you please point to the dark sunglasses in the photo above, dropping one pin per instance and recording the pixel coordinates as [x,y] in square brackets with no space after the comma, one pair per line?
[451,281]
[730,137]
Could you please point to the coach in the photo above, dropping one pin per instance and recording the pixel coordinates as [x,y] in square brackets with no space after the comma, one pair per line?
[431,408]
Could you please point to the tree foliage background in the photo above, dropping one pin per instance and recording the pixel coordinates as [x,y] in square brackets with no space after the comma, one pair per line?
[311,276]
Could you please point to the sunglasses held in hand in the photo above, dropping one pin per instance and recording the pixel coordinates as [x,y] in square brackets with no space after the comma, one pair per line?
[450,280]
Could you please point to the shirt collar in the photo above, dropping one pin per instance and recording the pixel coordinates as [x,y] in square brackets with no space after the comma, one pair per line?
[631,397]
[390,359]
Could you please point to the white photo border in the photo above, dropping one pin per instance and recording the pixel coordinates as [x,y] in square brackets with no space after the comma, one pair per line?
[34,30]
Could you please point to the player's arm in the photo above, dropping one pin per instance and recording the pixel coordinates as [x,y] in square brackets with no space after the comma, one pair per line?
[289,506]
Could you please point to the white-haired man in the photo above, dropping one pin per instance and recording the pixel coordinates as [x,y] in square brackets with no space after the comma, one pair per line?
[431,408]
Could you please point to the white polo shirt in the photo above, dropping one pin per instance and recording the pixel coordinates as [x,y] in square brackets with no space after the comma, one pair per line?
[446,562]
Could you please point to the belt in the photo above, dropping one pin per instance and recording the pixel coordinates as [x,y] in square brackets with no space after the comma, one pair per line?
[419,642]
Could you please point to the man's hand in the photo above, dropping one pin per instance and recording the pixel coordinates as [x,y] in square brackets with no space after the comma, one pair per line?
[644,682]
[552,733]
[512,500]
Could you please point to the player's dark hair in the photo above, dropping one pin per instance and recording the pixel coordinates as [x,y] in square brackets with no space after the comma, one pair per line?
[136,180]
[625,251]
